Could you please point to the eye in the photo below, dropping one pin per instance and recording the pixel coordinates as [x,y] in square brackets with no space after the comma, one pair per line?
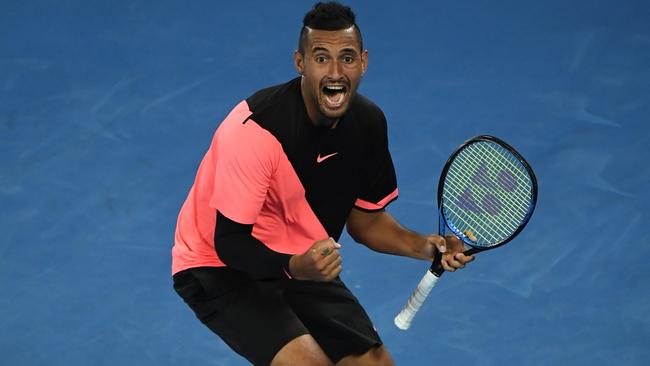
[320,59]
[348,59]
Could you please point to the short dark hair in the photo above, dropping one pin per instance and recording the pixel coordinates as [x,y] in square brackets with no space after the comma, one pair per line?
[328,16]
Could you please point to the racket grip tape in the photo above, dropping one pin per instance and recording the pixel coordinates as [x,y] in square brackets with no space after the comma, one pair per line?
[405,317]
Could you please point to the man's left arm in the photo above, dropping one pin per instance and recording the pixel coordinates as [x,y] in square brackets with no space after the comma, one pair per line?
[380,232]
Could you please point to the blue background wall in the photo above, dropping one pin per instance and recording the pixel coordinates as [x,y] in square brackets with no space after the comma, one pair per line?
[106,108]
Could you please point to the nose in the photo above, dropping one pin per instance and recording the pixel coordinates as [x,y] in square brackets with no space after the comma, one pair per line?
[335,70]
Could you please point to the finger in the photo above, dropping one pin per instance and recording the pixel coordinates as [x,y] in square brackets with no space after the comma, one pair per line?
[467,258]
[332,267]
[326,261]
[462,258]
[335,273]
[321,244]
[455,261]
[324,247]
[446,266]
[324,252]
[327,246]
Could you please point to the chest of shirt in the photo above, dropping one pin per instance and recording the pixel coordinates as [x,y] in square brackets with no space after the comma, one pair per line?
[328,167]
[328,163]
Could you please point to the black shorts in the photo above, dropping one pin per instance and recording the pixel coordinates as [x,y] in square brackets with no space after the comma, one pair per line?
[257,318]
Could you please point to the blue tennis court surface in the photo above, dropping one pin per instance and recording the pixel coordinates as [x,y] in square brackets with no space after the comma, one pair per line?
[106,109]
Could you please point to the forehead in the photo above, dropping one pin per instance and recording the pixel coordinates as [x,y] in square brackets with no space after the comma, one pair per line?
[343,38]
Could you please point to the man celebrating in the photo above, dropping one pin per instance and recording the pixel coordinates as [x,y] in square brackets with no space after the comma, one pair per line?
[256,254]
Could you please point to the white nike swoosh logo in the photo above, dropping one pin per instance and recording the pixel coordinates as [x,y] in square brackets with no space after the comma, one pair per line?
[320,159]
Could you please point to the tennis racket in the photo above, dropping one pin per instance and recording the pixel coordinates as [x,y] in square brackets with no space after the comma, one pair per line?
[486,194]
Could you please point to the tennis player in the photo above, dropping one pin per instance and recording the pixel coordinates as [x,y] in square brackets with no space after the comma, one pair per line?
[256,255]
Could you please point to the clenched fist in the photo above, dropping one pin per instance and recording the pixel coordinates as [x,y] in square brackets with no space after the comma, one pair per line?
[321,262]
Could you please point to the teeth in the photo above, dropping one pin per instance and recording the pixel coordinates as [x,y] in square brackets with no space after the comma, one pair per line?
[334,95]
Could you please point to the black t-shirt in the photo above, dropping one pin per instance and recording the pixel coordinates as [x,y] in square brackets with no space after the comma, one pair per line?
[339,168]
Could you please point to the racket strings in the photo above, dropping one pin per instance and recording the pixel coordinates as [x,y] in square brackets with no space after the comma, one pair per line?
[513,208]
[507,160]
[504,161]
[487,191]
[494,229]
[486,234]
[506,226]
[513,204]
[511,200]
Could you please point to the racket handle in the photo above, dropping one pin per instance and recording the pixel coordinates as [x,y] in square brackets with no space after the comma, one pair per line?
[405,317]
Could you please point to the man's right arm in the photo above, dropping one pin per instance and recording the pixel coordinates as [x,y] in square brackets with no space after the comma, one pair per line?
[240,250]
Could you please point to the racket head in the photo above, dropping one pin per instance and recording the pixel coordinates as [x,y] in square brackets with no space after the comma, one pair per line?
[487,193]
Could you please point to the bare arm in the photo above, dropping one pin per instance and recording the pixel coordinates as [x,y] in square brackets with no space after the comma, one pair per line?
[380,231]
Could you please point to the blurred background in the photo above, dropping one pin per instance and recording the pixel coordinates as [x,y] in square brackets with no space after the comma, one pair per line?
[107,107]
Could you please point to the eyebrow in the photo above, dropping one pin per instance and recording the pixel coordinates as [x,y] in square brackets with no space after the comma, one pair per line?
[350,50]
[345,50]
[318,49]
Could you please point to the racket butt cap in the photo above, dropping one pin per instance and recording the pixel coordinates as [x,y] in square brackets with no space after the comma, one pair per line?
[402,323]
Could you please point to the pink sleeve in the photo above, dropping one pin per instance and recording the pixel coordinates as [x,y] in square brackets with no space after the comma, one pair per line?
[372,206]
[246,157]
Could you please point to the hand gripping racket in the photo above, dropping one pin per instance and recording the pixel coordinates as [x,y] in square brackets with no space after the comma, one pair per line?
[486,195]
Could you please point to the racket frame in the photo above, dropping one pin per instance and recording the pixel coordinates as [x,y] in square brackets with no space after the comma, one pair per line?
[443,225]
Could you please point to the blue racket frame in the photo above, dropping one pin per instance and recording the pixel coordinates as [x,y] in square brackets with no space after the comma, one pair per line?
[436,266]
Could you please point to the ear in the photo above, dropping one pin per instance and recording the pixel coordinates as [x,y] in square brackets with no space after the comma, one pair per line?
[364,61]
[298,61]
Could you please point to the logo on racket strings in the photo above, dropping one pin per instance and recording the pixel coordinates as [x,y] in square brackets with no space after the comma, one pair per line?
[481,195]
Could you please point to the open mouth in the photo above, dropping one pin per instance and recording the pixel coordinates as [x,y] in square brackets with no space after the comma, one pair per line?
[334,95]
